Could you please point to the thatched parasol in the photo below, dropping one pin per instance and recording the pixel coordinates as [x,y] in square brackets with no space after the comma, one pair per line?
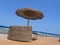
[29,13]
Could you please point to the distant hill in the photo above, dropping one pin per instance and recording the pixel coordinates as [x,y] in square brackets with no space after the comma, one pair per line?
[1,26]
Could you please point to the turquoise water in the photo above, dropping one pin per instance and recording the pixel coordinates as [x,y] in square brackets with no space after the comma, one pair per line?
[5,31]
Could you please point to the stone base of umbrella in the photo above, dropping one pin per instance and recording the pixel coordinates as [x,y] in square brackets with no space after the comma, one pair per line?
[20,33]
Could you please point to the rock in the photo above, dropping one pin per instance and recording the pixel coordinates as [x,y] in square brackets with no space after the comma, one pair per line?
[59,39]
[34,37]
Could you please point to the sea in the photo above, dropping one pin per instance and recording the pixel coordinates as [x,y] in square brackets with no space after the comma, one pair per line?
[4,30]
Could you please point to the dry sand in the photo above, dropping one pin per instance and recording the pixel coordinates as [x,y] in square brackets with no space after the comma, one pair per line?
[40,41]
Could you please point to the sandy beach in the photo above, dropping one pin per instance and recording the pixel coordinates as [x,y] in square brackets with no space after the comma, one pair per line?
[40,41]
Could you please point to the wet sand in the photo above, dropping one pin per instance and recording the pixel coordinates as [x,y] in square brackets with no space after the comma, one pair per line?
[40,41]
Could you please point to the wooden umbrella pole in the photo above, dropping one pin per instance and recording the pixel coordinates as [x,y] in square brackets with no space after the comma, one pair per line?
[28,22]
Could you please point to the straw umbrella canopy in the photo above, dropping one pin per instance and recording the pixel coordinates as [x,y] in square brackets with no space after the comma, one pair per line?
[29,13]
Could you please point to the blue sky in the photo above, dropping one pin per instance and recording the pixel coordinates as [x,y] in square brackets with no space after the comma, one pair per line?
[50,8]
